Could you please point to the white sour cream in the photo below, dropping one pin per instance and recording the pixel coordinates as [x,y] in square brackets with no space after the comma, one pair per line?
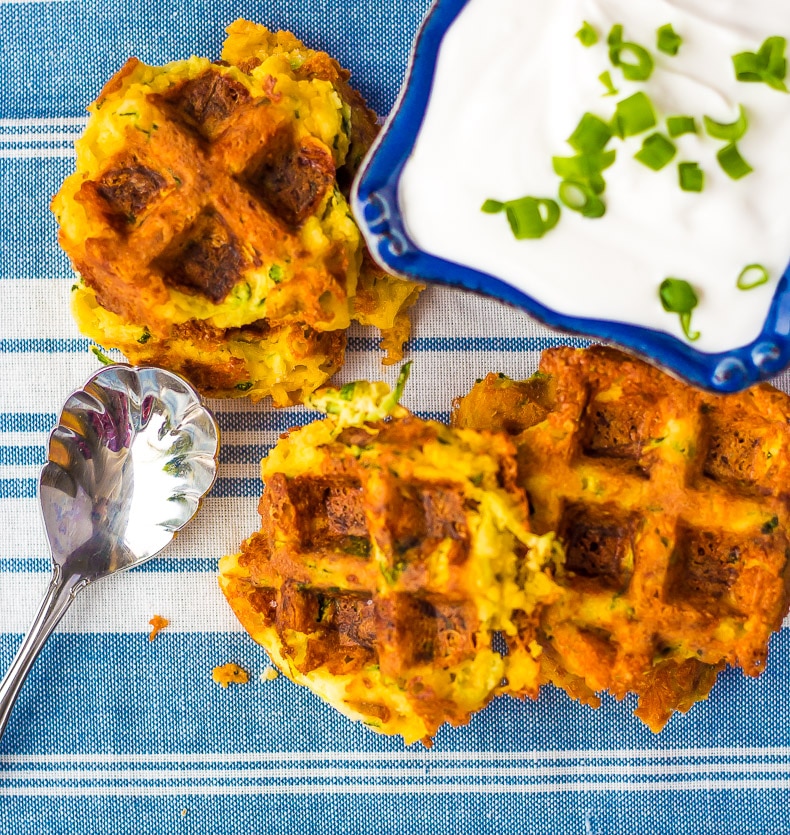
[511,84]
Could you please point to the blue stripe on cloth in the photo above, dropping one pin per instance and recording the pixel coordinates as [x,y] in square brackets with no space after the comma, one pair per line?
[160,565]
[504,344]
[27,421]
[321,810]
[43,345]
[28,244]
[427,344]
[22,456]
[269,757]
[26,488]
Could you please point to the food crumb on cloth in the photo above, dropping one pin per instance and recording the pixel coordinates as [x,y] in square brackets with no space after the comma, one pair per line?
[158,623]
[269,674]
[230,674]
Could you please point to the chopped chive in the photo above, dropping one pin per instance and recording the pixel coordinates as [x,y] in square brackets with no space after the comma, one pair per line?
[668,40]
[606,79]
[144,336]
[243,386]
[691,176]
[730,132]
[657,152]
[678,125]
[587,35]
[772,56]
[634,61]
[492,207]
[580,197]
[531,217]
[347,391]
[276,273]
[733,164]
[591,135]
[751,276]
[678,296]
[101,356]
[633,115]
[767,65]
[585,167]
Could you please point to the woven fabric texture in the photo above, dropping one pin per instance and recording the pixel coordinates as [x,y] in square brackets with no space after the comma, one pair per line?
[114,734]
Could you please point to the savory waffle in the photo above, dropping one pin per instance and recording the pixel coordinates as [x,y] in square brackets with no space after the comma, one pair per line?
[672,506]
[389,553]
[208,221]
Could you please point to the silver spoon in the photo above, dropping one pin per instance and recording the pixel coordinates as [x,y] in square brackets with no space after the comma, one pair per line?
[133,454]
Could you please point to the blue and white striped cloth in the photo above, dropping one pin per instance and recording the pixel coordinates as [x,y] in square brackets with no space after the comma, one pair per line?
[113,734]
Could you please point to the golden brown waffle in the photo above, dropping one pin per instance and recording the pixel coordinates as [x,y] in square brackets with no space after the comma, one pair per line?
[208,221]
[389,553]
[672,505]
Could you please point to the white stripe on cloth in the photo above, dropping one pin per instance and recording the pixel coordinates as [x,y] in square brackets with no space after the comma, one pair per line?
[125,602]
[44,121]
[486,788]
[27,138]
[425,772]
[35,153]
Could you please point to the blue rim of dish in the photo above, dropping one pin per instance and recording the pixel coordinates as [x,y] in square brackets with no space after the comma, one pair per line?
[375,205]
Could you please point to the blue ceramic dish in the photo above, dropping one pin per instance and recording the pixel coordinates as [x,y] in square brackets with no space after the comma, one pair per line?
[376,206]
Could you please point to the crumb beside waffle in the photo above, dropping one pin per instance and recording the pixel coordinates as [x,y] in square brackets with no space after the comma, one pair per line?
[158,623]
[230,674]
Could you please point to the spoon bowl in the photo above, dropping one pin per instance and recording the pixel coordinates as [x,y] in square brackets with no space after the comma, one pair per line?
[129,462]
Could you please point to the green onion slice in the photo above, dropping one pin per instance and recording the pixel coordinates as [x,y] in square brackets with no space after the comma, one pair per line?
[678,125]
[733,164]
[606,79]
[633,115]
[585,168]
[691,176]
[101,356]
[751,276]
[635,61]
[580,197]
[591,135]
[491,207]
[615,37]
[678,296]
[768,64]
[657,152]
[730,132]
[668,40]
[587,34]
[531,217]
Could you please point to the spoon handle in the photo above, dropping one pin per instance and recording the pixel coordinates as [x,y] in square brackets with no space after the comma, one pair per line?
[60,594]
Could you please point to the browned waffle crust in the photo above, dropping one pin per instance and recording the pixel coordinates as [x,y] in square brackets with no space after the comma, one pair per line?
[208,220]
[672,505]
[363,582]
